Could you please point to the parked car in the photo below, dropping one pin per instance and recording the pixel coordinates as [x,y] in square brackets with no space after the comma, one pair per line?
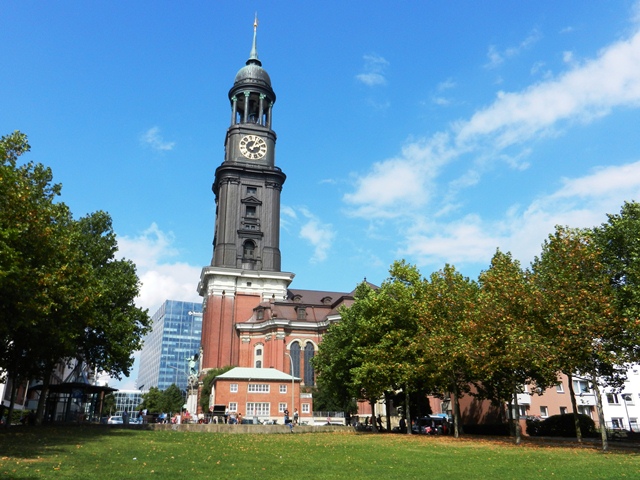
[430,425]
[115,420]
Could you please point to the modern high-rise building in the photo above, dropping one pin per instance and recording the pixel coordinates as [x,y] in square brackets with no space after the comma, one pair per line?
[173,341]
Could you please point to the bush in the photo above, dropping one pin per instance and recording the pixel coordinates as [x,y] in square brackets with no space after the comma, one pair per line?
[561,426]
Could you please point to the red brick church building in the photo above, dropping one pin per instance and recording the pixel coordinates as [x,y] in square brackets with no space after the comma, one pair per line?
[251,318]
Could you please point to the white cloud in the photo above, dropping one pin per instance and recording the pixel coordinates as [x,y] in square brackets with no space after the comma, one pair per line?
[497,57]
[153,139]
[374,70]
[396,186]
[585,92]
[161,278]
[581,202]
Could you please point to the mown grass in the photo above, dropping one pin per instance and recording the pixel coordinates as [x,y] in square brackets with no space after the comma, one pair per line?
[102,452]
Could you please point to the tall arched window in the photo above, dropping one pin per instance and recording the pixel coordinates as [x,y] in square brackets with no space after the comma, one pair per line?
[309,352]
[295,356]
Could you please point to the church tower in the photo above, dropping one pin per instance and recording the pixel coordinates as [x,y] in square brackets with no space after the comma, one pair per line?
[245,268]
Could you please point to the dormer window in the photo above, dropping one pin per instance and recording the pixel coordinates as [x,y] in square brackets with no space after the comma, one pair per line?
[302,313]
[297,298]
[260,314]
[326,300]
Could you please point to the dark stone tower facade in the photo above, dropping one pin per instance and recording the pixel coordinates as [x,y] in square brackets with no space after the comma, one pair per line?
[245,268]
[247,185]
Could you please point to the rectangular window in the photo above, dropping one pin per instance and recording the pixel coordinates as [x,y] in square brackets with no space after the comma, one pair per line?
[233,407]
[628,398]
[617,423]
[523,410]
[258,409]
[306,408]
[283,388]
[544,412]
[258,388]
[251,190]
[563,410]
[251,211]
[580,386]
[633,424]
[612,399]
[585,410]
[560,388]
[282,407]
[233,388]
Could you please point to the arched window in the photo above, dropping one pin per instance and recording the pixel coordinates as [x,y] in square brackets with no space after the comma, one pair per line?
[309,352]
[257,355]
[248,249]
[295,356]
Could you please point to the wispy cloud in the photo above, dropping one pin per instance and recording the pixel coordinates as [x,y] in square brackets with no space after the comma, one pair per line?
[306,225]
[497,57]
[374,70]
[152,138]
[320,235]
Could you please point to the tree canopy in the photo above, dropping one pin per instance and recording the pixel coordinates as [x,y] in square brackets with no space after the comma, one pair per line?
[63,293]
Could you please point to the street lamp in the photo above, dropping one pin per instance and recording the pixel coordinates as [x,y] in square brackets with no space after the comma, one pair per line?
[292,382]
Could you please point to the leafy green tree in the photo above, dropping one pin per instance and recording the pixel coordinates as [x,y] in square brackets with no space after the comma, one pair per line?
[450,300]
[337,354]
[62,292]
[506,350]
[33,242]
[619,243]
[580,319]
[371,351]
[153,400]
[173,399]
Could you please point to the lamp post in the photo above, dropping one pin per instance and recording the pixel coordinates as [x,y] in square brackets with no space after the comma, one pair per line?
[292,382]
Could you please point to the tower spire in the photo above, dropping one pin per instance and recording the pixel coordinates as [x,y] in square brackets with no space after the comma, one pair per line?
[253,56]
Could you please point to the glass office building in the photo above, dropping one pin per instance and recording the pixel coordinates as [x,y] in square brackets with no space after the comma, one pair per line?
[172,342]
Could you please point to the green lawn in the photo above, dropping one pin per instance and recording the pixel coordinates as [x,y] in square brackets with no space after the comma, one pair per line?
[103,452]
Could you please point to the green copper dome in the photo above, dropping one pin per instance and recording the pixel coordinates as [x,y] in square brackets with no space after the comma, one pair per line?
[253,72]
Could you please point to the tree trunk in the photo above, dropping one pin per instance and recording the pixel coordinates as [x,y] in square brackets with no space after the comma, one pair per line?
[407,413]
[603,425]
[386,402]
[574,406]
[12,401]
[515,414]
[42,400]
[374,427]
[456,412]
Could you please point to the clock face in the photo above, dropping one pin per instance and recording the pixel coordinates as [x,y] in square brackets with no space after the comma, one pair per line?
[253,147]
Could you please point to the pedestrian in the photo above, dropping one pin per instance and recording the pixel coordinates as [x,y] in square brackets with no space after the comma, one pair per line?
[295,417]
[287,420]
[125,417]
[239,418]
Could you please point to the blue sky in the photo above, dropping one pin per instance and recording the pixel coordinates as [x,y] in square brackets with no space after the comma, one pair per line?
[430,131]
